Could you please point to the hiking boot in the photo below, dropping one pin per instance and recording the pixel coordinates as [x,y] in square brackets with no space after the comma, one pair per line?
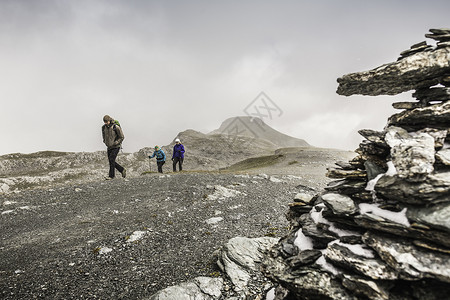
[124,173]
[108,178]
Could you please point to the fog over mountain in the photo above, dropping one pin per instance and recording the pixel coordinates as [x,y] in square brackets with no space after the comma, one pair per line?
[161,67]
[256,128]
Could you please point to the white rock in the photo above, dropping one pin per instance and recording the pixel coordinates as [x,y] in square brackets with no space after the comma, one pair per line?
[135,236]
[274,179]
[214,220]
[104,250]
[221,192]
[4,188]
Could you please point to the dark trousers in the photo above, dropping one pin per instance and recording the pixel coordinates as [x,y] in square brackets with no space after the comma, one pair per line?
[112,155]
[178,160]
[160,164]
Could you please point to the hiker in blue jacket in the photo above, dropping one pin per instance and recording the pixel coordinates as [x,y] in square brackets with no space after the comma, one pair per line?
[178,155]
[160,158]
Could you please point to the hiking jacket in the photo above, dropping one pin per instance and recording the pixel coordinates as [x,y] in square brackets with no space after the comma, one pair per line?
[178,151]
[112,135]
[160,155]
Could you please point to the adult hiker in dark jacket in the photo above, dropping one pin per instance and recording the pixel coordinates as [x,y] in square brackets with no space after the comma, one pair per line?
[113,137]
[178,155]
[160,158]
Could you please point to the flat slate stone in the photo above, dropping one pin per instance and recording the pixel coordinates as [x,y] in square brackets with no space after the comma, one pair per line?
[368,288]
[438,37]
[443,156]
[440,30]
[422,69]
[406,105]
[436,216]
[437,116]
[433,94]
[339,204]
[371,267]
[410,261]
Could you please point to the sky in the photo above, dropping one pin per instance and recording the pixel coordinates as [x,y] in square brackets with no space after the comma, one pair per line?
[161,67]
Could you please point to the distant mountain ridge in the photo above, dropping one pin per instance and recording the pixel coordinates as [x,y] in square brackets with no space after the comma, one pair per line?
[237,139]
[257,128]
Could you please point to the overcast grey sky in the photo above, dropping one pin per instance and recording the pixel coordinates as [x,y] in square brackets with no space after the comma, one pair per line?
[161,67]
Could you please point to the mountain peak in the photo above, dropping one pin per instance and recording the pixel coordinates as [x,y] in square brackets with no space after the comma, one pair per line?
[257,128]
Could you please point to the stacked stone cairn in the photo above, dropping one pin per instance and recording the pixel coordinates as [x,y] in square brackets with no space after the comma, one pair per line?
[381,229]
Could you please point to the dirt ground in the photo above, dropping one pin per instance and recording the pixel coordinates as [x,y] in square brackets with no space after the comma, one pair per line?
[129,238]
[54,242]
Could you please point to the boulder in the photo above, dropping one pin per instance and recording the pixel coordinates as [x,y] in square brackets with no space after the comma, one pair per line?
[241,255]
[201,288]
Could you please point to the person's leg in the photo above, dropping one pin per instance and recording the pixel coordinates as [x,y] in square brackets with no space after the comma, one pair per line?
[119,167]
[112,154]
[181,163]
[116,165]
[162,163]
[175,160]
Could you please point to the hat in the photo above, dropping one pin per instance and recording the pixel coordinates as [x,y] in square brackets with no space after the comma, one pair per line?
[177,141]
[156,147]
[106,118]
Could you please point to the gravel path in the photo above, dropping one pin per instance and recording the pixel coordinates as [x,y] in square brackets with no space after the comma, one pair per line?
[127,239]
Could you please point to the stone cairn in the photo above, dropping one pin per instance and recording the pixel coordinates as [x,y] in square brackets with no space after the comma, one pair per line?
[381,230]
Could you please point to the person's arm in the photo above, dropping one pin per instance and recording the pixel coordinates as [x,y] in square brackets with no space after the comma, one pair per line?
[153,155]
[164,155]
[103,133]
[120,136]
[182,150]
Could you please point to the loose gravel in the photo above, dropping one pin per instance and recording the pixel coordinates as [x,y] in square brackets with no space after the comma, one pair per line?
[127,239]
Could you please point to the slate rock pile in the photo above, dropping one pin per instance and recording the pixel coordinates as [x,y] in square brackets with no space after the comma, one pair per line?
[381,230]
[419,68]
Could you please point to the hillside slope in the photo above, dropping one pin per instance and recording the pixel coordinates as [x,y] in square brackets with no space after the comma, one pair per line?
[256,128]
[215,151]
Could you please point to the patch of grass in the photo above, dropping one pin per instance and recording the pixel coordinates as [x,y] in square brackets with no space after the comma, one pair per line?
[255,163]
[149,172]
[215,274]
[293,162]
[271,234]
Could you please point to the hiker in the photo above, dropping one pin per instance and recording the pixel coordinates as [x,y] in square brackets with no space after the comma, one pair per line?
[160,158]
[113,137]
[178,155]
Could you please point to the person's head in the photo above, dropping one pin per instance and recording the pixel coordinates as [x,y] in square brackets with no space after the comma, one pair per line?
[157,148]
[107,119]
[177,141]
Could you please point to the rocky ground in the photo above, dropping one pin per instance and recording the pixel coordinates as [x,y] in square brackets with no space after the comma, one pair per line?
[127,239]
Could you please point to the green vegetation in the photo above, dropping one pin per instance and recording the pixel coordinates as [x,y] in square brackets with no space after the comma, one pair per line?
[149,172]
[255,163]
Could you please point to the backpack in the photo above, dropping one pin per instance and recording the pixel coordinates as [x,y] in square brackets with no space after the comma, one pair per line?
[116,122]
